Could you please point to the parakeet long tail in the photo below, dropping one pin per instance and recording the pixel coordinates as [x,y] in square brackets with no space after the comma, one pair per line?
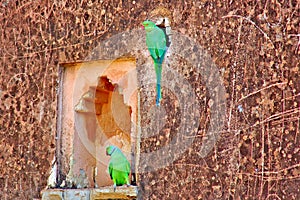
[158,70]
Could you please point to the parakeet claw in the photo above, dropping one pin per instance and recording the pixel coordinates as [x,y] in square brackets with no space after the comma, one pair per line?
[115,187]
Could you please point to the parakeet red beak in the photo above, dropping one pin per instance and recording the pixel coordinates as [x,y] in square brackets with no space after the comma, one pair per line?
[143,25]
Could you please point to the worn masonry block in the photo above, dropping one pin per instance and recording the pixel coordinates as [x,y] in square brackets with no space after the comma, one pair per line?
[52,194]
[77,194]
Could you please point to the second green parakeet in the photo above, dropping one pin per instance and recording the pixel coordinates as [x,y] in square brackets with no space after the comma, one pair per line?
[156,43]
[118,167]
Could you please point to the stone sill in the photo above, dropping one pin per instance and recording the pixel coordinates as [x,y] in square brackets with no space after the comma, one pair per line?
[122,192]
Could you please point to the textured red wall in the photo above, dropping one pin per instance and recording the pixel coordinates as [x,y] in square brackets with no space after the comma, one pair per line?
[255,46]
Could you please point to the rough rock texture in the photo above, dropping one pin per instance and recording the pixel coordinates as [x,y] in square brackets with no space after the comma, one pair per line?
[255,46]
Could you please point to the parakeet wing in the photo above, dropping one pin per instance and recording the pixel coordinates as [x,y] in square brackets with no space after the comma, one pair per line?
[156,42]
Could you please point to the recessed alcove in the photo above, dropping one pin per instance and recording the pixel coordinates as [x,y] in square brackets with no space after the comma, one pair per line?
[107,120]
[97,106]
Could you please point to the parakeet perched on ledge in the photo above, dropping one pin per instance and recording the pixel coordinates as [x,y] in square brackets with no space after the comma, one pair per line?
[156,43]
[118,167]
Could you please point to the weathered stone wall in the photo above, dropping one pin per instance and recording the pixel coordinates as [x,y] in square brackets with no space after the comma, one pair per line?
[255,46]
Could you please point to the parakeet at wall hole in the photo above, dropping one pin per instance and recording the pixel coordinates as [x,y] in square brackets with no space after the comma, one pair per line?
[156,43]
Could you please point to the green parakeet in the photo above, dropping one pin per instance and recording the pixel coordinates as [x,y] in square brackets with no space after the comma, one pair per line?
[118,167]
[156,43]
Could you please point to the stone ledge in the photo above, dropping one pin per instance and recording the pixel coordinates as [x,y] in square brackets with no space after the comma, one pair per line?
[122,192]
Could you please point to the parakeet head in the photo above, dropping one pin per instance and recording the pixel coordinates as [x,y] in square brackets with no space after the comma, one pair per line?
[148,25]
[110,149]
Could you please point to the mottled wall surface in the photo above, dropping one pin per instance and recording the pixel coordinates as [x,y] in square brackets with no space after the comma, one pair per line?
[255,46]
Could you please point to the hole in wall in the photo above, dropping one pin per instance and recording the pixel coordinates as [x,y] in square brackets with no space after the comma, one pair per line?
[103,114]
